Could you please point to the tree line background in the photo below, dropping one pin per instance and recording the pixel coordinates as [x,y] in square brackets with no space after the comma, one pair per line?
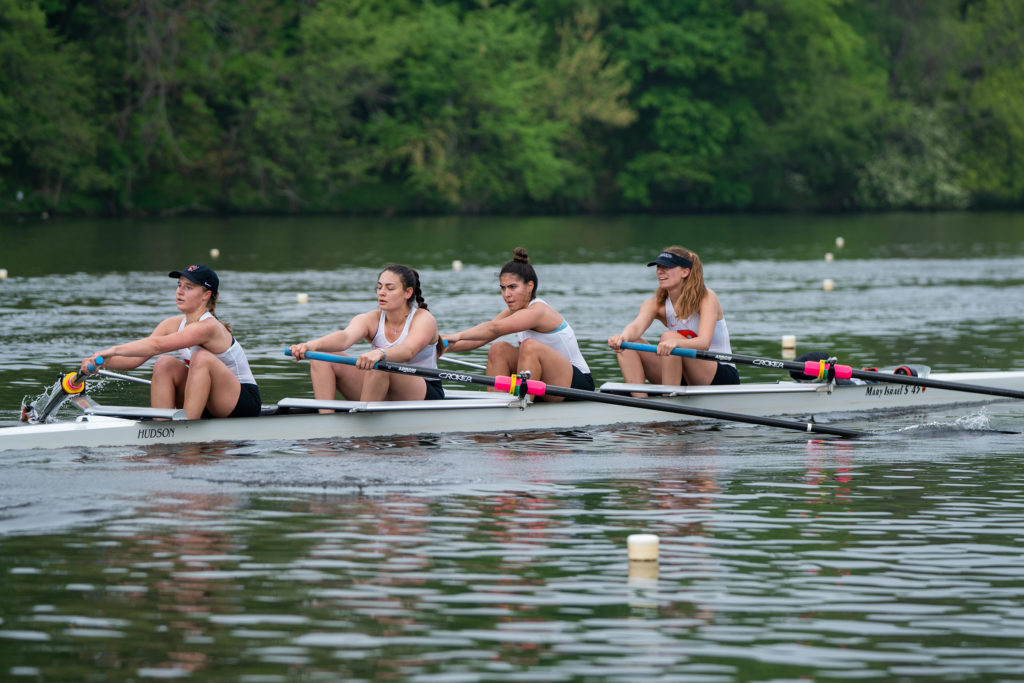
[475,106]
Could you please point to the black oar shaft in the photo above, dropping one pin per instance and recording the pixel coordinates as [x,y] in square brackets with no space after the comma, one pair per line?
[817,368]
[540,388]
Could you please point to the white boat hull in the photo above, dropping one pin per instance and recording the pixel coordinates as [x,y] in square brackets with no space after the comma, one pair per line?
[490,412]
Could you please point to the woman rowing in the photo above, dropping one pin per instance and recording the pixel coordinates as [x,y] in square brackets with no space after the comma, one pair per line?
[694,318]
[400,329]
[211,376]
[547,349]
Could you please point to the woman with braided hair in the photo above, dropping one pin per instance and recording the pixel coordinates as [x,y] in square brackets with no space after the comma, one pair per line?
[400,330]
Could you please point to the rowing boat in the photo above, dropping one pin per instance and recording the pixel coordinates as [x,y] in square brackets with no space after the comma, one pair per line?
[468,411]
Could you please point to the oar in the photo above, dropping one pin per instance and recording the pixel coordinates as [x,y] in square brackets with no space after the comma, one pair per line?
[47,404]
[128,378]
[518,386]
[464,363]
[449,359]
[819,370]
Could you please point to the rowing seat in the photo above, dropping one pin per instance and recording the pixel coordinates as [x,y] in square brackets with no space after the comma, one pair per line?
[136,412]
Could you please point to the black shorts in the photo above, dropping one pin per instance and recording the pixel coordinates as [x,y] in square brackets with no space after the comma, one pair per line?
[580,380]
[435,392]
[249,402]
[726,374]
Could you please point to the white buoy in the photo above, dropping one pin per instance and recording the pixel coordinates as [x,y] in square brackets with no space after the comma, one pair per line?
[642,547]
[828,257]
[215,252]
[840,242]
[3,273]
[302,298]
[643,573]
[456,264]
[789,341]
[828,285]
[788,354]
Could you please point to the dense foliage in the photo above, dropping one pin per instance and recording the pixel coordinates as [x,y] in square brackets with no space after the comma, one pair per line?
[125,106]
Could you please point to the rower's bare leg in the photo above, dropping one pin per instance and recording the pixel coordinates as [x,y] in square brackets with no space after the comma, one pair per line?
[699,372]
[545,365]
[403,388]
[671,367]
[330,378]
[211,386]
[637,367]
[502,359]
[167,388]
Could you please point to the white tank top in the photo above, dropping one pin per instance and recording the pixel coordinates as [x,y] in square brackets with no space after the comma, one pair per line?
[719,339]
[425,357]
[561,339]
[234,358]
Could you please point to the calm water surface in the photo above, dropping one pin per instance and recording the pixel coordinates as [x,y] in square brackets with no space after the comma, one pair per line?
[502,556]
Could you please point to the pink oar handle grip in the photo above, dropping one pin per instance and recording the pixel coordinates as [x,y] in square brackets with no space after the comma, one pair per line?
[509,384]
[819,369]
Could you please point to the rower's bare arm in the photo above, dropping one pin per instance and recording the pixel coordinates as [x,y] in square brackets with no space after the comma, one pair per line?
[131,355]
[356,330]
[635,330]
[478,335]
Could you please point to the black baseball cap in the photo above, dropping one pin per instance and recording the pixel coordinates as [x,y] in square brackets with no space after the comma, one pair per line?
[201,275]
[670,260]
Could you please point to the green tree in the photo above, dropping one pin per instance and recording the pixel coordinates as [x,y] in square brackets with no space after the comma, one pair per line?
[48,132]
[991,100]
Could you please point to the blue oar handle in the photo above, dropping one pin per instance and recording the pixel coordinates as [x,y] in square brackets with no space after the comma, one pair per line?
[329,357]
[650,348]
[94,368]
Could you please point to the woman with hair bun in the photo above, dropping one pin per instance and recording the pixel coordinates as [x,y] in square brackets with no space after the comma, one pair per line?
[547,344]
[401,330]
[694,318]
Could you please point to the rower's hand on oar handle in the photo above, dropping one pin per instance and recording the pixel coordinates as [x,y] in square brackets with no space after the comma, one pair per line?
[91,364]
[665,348]
[369,360]
[615,342]
[298,351]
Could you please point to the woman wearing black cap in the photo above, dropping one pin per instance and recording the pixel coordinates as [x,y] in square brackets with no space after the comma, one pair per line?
[694,318]
[211,377]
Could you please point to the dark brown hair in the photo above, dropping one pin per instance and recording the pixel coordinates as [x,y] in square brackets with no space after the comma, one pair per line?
[521,268]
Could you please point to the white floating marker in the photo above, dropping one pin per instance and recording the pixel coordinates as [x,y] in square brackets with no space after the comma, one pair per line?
[828,257]
[788,354]
[456,264]
[215,252]
[642,547]
[3,273]
[302,298]
[827,284]
[789,341]
[840,242]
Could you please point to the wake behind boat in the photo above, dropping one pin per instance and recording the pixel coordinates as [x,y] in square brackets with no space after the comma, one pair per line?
[467,411]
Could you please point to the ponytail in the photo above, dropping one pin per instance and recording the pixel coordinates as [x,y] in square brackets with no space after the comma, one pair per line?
[211,307]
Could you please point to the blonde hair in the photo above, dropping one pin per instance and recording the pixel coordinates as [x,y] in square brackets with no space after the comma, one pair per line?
[694,289]
[211,307]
